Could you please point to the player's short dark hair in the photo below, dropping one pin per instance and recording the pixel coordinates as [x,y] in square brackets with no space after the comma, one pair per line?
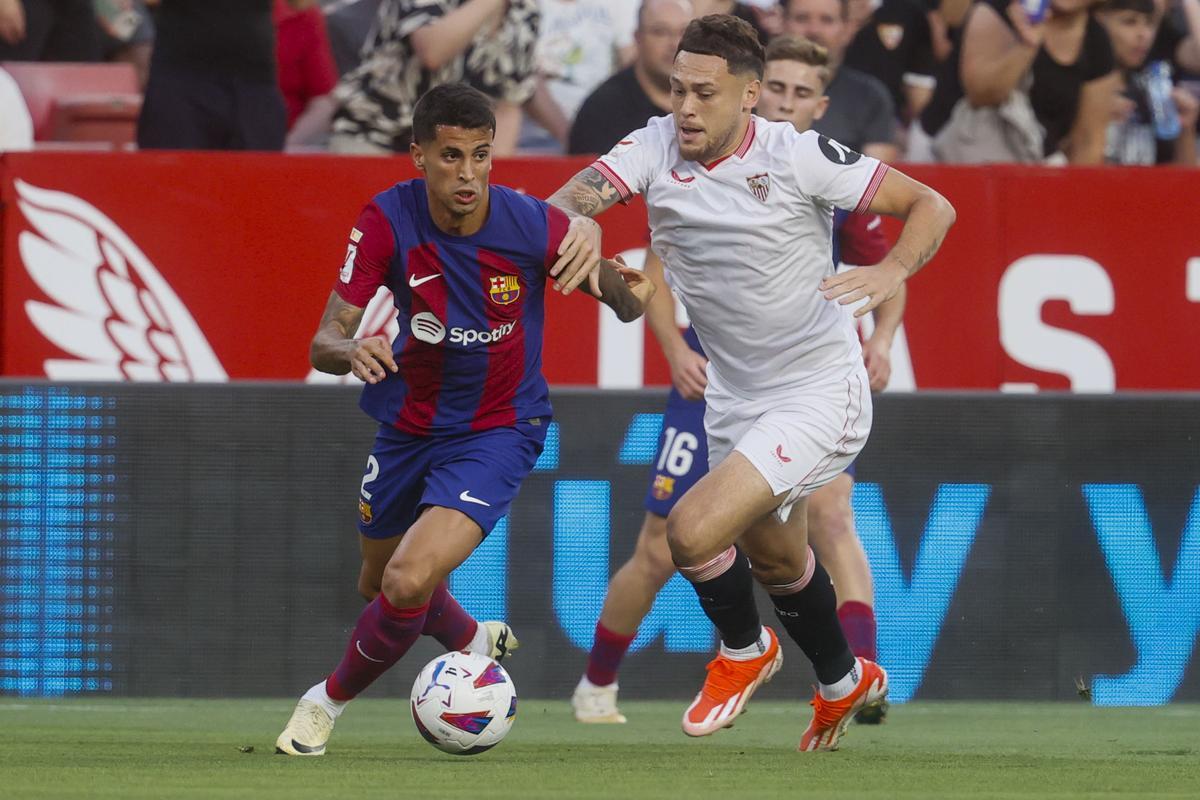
[795,48]
[727,37]
[453,104]
[1140,6]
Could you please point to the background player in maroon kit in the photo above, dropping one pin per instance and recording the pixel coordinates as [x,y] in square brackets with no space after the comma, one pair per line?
[460,397]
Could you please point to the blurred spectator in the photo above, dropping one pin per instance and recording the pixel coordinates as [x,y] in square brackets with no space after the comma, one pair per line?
[582,43]
[419,44]
[895,45]
[126,34]
[861,114]
[764,15]
[349,23]
[1139,135]
[1178,38]
[212,78]
[48,30]
[625,102]
[307,74]
[16,127]
[1025,91]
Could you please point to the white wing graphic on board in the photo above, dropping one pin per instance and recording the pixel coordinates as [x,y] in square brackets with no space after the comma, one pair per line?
[379,319]
[110,309]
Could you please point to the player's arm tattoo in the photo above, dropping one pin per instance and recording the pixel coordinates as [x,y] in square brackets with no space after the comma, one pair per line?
[588,193]
[334,340]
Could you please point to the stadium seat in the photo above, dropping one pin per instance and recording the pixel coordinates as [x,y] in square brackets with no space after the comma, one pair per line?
[79,102]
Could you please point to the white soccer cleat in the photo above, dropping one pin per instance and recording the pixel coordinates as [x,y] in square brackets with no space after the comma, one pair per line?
[306,732]
[596,704]
[501,640]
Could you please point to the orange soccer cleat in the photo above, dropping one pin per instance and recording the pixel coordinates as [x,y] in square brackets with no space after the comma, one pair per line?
[728,686]
[830,717]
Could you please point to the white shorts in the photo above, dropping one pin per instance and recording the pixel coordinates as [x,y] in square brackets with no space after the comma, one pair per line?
[798,442]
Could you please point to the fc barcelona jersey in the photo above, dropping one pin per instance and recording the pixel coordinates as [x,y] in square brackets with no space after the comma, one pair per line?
[470,308]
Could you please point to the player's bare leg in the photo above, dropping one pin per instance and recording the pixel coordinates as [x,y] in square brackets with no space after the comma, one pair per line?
[436,544]
[631,594]
[834,539]
[447,621]
[701,531]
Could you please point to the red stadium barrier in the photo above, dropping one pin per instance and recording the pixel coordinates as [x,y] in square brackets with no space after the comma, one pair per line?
[213,266]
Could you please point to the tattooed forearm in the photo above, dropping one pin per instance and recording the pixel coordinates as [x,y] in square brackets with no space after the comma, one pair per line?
[334,339]
[925,227]
[588,193]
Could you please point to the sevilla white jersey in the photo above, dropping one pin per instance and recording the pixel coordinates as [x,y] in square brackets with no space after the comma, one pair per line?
[746,241]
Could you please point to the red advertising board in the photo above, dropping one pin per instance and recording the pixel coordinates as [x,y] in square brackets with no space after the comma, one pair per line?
[215,266]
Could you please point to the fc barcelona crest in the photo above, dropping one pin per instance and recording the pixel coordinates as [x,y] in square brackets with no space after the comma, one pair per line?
[663,487]
[760,184]
[504,289]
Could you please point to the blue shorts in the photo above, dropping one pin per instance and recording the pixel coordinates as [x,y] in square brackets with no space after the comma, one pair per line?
[478,474]
[682,457]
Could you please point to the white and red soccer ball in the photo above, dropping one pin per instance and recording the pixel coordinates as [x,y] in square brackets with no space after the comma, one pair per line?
[464,703]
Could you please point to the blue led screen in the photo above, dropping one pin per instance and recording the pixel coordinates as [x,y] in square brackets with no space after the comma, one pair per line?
[201,541]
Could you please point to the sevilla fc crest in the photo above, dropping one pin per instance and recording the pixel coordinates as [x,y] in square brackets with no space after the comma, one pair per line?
[663,488]
[504,289]
[760,184]
[890,36]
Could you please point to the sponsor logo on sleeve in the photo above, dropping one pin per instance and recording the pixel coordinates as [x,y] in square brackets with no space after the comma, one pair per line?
[837,152]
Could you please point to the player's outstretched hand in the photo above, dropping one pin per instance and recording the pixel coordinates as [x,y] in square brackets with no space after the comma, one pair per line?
[642,287]
[879,283]
[578,257]
[371,359]
[877,357]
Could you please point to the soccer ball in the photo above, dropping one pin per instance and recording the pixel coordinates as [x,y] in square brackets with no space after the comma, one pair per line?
[464,703]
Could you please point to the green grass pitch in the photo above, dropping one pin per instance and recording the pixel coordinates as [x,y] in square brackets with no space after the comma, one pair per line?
[192,748]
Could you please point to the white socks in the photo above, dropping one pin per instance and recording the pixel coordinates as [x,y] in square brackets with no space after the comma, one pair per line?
[479,643]
[750,652]
[318,695]
[844,687]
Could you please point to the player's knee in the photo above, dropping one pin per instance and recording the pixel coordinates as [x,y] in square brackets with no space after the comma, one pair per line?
[688,537]
[779,568]
[407,585]
[830,521]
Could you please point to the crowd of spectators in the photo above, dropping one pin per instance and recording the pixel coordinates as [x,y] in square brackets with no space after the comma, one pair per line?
[956,81]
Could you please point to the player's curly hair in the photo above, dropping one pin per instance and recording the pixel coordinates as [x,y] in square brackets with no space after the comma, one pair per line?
[453,104]
[727,37]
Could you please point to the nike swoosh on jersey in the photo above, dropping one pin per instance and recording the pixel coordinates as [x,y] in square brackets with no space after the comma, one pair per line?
[414,281]
[466,498]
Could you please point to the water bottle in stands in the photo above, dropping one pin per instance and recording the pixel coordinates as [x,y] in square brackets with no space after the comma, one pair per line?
[1162,106]
[1035,10]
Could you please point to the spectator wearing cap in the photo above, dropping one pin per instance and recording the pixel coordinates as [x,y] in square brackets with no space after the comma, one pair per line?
[213,78]
[419,44]
[627,100]
[1133,137]
[861,113]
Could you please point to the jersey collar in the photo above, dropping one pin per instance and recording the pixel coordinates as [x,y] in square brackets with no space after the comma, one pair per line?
[743,148]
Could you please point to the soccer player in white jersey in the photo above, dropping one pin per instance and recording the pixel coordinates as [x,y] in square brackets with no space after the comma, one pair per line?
[741,212]
[796,74]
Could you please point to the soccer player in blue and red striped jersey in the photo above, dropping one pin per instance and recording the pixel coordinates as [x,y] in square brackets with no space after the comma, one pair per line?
[460,397]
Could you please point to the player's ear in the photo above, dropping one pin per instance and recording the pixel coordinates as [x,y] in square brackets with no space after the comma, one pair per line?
[822,107]
[418,156]
[752,93]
